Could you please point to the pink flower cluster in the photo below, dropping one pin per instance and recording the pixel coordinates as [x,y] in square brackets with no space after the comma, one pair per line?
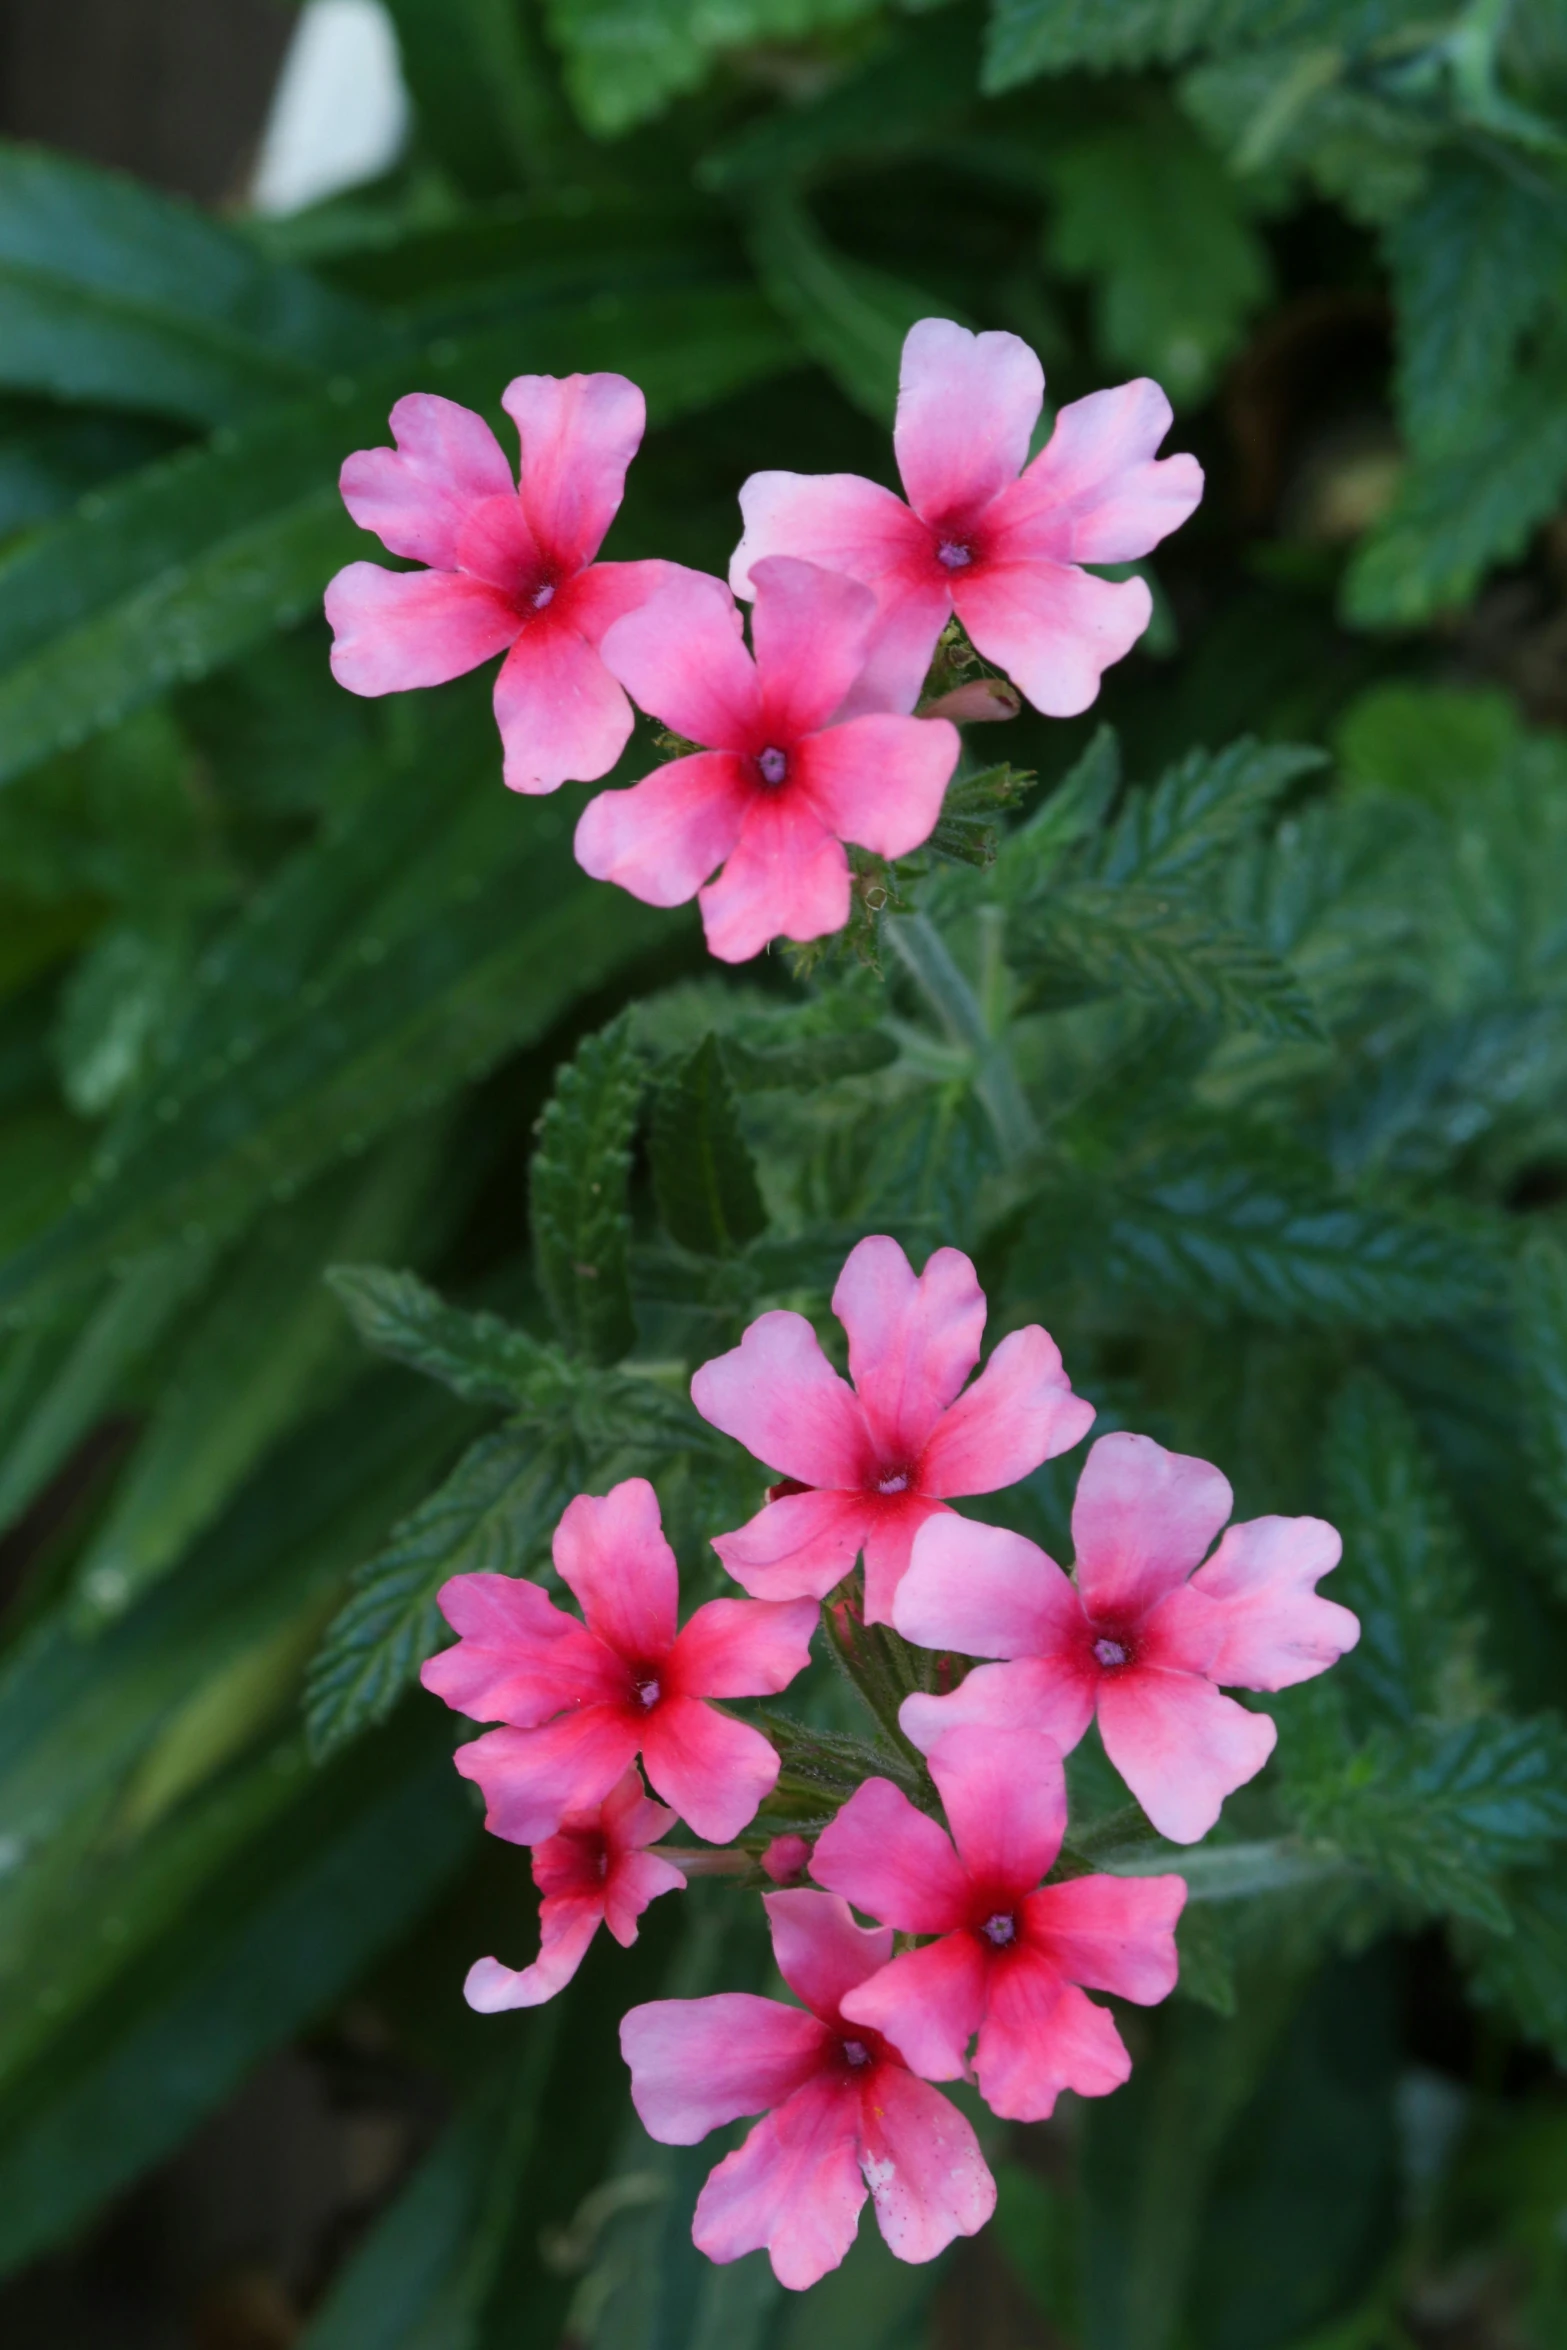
[1000,1940]
[809,740]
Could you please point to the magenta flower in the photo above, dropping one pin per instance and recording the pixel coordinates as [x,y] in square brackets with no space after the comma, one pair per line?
[594,1871]
[984,533]
[581,1700]
[871,1463]
[781,786]
[1139,1638]
[1013,1956]
[509,566]
[844,2114]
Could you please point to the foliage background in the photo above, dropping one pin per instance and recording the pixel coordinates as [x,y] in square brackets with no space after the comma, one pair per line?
[1248,1081]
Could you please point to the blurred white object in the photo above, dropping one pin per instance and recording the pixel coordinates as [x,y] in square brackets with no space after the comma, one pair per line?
[340,111]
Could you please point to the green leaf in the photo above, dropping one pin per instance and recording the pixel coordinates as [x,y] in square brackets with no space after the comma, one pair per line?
[494,1515]
[1163,945]
[1540,1310]
[480,1357]
[1029,37]
[625,59]
[487,104]
[808,1063]
[110,292]
[704,1178]
[1524,1973]
[1200,810]
[850,317]
[1028,858]
[966,830]
[578,1183]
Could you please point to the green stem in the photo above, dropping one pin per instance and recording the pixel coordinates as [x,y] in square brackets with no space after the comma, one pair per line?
[923,952]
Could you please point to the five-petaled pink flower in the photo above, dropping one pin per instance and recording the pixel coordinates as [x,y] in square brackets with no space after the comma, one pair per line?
[1139,1638]
[874,1461]
[595,1871]
[781,787]
[843,2112]
[508,566]
[985,533]
[581,1700]
[1012,1954]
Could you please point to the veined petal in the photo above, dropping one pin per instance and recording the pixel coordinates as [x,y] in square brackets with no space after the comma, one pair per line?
[1053,1694]
[1040,2036]
[416,497]
[1052,628]
[1110,1933]
[1180,1746]
[1142,1520]
[742,1648]
[967,408]
[393,630]
[579,433]
[681,656]
[922,2164]
[1004,1794]
[532,1778]
[798,1547]
[520,1658]
[809,631]
[892,1861]
[613,1555]
[562,717]
[699,2063]
[786,877]
[1095,493]
[893,1521]
[879,781]
[928,2003]
[661,839]
[822,1954]
[1020,1411]
[713,1769]
[566,1926]
[912,1341]
[777,1394]
[793,2188]
[985,1591]
[838,520]
[1277,1630]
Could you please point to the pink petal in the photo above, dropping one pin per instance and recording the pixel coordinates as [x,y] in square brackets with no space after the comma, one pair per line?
[416,497]
[628,1820]
[892,1861]
[798,1547]
[613,1555]
[1020,1411]
[1110,1933]
[396,629]
[495,544]
[1181,1633]
[928,2004]
[1180,1746]
[1276,1630]
[879,781]
[793,2188]
[822,1954]
[835,519]
[699,2063]
[912,1342]
[520,1659]
[985,1591]
[566,1927]
[1041,2036]
[1004,1794]
[809,632]
[579,434]
[661,839]
[1094,494]
[893,1523]
[681,656]
[606,592]
[633,1881]
[967,407]
[1143,1518]
[922,2164]
[1053,629]
[562,717]
[742,1648]
[714,1770]
[777,1394]
[786,878]
[913,609]
[532,1778]
[1052,1694]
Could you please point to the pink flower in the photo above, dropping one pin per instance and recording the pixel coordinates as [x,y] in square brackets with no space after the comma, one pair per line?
[594,1872]
[782,787]
[786,1859]
[582,1700]
[509,567]
[1012,1954]
[1139,1638]
[872,1462]
[843,2112]
[984,533]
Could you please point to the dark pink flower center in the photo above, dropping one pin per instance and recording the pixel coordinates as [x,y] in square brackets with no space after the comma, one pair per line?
[1000,1929]
[773,765]
[893,1481]
[956,554]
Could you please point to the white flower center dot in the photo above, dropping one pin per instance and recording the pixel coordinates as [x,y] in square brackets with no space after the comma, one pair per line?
[774,765]
[955,555]
[648,1692]
[1001,1929]
[855,2052]
[1110,1652]
[542,596]
[895,1481]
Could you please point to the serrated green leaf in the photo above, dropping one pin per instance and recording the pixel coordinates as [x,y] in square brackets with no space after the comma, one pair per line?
[480,1357]
[578,1183]
[850,317]
[1029,37]
[812,1061]
[494,1515]
[1523,1974]
[625,59]
[1540,1309]
[1164,945]
[704,1179]
[1028,857]
[1199,811]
